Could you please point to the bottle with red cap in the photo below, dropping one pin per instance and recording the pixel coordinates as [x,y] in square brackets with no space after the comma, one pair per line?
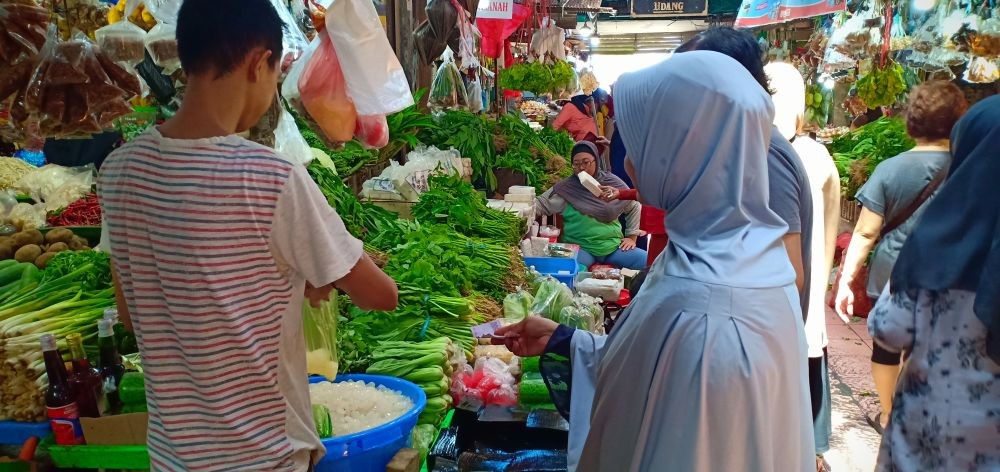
[60,403]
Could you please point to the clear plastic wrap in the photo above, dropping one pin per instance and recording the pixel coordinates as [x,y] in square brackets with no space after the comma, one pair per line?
[323,92]
[57,186]
[448,89]
[288,140]
[517,305]
[123,41]
[77,89]
[26,216]
[22,30]
[293,40]
[550,299]
[320,327]
[375,79]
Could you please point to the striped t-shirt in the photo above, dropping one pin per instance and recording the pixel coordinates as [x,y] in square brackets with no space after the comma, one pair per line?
[214,240]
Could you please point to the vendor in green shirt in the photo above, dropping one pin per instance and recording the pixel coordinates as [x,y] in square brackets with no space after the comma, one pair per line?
[592,223]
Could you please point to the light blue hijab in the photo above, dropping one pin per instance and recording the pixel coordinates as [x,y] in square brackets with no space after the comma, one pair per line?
[707,167]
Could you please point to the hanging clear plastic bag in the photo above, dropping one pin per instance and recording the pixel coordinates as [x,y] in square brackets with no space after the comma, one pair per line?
[123,41]
[22,31]
[474,91]
[320,327]
[290,85]
[448,88]
[372,131]
[375,79]
[293,40]
[465,49]
[161,41]
[288,141]
[323,91]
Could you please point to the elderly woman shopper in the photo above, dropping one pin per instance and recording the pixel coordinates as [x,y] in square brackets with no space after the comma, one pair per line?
[892,202]
[824,191]
[707,370]
[590,222]
[942,307]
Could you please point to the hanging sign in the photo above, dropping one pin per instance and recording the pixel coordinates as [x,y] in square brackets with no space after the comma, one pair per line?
[658,8]
[755,13]
[496,9]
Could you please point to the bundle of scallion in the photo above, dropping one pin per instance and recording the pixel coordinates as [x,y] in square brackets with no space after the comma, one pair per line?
[69,296]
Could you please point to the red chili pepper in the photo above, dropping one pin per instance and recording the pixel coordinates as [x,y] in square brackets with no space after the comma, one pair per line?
[83,212]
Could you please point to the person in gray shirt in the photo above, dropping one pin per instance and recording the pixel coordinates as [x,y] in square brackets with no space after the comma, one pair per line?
[885,199]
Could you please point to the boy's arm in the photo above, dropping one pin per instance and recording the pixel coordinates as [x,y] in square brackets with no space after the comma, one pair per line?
[123,315]
[310,238]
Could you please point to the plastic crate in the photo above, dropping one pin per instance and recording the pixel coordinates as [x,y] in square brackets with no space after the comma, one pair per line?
[15,433]
[98,457]
[564,269]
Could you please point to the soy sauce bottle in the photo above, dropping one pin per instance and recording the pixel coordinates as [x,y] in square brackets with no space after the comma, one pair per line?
[60,403]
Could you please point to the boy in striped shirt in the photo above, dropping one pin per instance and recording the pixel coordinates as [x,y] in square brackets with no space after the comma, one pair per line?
[216,243]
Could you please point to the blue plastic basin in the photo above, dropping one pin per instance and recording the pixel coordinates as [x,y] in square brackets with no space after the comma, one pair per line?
[372,450]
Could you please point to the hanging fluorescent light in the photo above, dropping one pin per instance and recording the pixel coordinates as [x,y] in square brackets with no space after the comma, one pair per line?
[586,31]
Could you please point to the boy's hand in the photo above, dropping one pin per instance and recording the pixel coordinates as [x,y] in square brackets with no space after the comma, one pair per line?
[317,296]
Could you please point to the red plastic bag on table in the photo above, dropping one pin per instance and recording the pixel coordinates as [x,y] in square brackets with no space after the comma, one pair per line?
[372,131]
[323,92]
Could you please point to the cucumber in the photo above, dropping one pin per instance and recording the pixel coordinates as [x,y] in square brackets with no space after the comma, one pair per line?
[11,272]
[321,416]
[132,389]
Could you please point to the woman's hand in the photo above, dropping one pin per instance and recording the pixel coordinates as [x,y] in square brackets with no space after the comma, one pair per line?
[528,337]
[609,194]
[627,244]
[844,304]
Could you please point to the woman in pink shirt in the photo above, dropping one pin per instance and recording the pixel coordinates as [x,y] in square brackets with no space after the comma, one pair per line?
[577,119]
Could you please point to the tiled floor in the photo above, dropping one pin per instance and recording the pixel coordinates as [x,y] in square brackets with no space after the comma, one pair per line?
[854,444]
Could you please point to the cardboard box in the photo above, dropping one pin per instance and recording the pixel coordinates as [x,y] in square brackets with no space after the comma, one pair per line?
[116,430]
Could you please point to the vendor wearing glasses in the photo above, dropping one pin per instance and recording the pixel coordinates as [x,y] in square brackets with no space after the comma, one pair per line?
[590,222]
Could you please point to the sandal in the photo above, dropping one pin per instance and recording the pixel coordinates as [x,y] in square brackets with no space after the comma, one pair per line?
[876,422]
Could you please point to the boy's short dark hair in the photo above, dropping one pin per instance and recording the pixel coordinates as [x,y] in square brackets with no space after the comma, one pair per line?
[215,36]
[935,107]
[737,44]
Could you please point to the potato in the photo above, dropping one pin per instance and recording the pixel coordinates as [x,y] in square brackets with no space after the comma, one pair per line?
[21,239]
[59,235]
[43,260]
[57,247]
[36,237]
[78,243]
[28,253]
[6,251]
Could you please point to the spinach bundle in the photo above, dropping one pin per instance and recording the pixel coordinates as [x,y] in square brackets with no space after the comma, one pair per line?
[455,203]
[857,153]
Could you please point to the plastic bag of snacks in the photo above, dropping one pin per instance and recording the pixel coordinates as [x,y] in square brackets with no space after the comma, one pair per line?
[77,89]
[22,30]
[161,42]
[123,41]
[323,92]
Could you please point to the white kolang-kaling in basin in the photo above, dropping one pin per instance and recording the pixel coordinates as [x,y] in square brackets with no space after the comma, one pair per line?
[357,406]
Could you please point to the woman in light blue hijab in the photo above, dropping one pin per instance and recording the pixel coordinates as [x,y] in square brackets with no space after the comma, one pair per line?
[707,370]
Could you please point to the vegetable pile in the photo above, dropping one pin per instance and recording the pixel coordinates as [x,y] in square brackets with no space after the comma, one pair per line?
[83,212]
[34,247]
[69,296]
[857,153]
[882,86]
[537,78]
[428,364]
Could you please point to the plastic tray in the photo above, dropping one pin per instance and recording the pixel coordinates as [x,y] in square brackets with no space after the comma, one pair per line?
[372,450]
[15,433]
[564,269]
[98,457]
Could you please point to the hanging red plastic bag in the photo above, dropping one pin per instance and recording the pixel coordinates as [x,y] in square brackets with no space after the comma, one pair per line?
[495,32]
[375,79]
[323,91]
[372,131]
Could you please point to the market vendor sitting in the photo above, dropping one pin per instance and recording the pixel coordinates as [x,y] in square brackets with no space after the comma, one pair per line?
[590,222]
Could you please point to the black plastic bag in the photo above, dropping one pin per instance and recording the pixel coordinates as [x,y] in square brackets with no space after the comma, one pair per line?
[442,16]
[429,46]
